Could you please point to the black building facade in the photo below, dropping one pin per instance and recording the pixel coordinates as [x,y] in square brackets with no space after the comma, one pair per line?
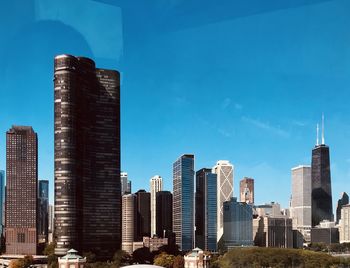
[164,207]
[143,214]
[206,209]
[321,195]
[87,157]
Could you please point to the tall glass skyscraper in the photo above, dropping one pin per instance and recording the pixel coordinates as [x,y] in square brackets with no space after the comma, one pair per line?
[43,211]
[183,201]
[321,206]
[87,157]
[206,209]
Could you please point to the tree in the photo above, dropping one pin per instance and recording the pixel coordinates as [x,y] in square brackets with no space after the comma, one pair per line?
[22,263]
[142,255]
[122,258]
[90,257]
[164,260]
[50,249]
[179,262]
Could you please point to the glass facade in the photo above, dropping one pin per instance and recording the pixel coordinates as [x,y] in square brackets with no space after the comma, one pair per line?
[183,201]
[238,224]
[206,209]
[43,221]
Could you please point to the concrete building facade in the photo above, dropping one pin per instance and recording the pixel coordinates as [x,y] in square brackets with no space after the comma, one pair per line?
[224,171]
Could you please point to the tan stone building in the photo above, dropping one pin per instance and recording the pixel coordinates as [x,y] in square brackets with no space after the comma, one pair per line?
[197,259]
[71,260]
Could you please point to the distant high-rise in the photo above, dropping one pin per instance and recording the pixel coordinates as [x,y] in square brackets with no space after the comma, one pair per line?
[2,200]
[51,224]
[206,209]
[128,222]
[246,189]
[156,185]
[321,205]
[301,200]
[21,191]
[238,224]
[344,225]
[125,183]
[224,171]
[344,200]
[164,205]
[143,214]
[183,201]
[43,211]
[87,157]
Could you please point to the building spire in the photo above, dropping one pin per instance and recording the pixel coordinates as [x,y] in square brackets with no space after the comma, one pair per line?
[317,131]
[322,141]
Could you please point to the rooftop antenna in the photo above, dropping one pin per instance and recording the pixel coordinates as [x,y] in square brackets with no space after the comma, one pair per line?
[317,130]
[322,129]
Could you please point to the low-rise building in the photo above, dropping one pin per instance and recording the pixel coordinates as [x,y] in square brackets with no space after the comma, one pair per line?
[326,232]
[197,258]
[71,260]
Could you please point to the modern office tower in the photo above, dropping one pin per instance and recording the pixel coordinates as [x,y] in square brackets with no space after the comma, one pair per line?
[206,209]
[301,200]
[164,205]
[156,185]
[125,184]
[321,204]
[51,224]
[183,201]
[224,171]
[2,200]
[326,232]
[238,224]
[246,189]
[344,200]
[128,222]
[273,232]
[87,157]
[344,225]
[21,191]
[143,214]
[43,211]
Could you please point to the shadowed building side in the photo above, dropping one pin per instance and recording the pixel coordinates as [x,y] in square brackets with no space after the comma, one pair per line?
[87,157]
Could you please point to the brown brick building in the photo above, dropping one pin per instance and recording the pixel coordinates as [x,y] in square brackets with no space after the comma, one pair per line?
[21,191]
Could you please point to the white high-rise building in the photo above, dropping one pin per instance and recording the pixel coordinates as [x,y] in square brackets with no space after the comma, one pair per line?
[224,171]
[344,225]
[301,200]
[125,184]
[156,184]
[128,220]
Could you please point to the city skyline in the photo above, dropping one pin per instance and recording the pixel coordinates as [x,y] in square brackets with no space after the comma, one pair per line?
[253,122]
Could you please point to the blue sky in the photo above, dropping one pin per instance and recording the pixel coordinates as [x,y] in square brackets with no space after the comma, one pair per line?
[246,83]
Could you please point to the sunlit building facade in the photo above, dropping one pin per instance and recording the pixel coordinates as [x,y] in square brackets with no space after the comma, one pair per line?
[224,171]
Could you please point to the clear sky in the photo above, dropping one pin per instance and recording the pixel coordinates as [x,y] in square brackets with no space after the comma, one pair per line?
[244,81]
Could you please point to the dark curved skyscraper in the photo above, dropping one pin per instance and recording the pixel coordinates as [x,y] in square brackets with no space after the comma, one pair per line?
[321,205]
[87,157]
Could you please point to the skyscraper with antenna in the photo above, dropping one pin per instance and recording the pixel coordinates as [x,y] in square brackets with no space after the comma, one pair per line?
[321,204]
